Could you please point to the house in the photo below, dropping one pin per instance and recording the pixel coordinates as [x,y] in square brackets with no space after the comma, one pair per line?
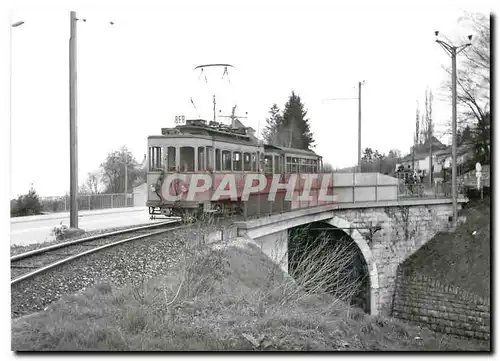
[441,158]
[464,154]
[420,159]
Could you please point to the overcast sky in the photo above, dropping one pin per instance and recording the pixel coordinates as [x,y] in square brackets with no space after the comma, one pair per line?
[135,76]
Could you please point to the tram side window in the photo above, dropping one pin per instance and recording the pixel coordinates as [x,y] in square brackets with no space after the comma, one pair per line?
[254,162]
[217,160]
[201,158]
[187,159]
[302,165]
[247,165]
[295,165]
[210,158]
[226,160]
[268,164]
[155,159]
[171,166]
[309,168]
[237,161]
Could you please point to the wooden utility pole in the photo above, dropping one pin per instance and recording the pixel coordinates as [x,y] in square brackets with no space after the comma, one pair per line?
[359,126]
[73,135]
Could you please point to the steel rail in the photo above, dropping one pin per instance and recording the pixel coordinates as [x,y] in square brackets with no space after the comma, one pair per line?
[86,239]
[90,251]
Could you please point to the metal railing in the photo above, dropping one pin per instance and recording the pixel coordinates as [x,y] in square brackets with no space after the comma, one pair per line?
[88,202]
[258,205]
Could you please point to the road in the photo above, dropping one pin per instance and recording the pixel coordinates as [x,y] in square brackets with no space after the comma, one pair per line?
[35,229]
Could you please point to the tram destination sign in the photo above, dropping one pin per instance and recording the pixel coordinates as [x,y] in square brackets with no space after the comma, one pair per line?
[180,120]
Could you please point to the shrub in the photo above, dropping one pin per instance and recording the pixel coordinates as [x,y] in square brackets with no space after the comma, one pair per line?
[26,205]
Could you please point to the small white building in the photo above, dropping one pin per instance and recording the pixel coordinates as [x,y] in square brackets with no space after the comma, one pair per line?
[140,192]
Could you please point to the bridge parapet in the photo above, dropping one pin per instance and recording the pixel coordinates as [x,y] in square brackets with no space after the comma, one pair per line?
[348,189]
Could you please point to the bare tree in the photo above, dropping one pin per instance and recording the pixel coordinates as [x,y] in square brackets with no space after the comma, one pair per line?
[327,167]
[417,125]
[429,126]
[92,182]
[416,136]
[473,85]
[473,73]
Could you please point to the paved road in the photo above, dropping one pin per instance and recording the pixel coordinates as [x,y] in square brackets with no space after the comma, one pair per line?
[34,229]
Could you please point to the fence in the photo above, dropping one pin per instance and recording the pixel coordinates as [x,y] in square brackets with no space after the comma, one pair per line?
[349,188]
[88,202]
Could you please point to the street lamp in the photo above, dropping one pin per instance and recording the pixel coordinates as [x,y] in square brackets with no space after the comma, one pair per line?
[453,51]
[73,132]
[13,25]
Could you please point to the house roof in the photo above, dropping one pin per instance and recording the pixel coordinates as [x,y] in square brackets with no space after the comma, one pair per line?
[422,148]
[444,152]
[140,183]
[418,156]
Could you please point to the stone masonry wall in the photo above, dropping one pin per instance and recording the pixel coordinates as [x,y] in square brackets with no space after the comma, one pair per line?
[404,229]
[442,308]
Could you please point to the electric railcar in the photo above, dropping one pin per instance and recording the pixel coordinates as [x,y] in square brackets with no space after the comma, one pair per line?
[215,149]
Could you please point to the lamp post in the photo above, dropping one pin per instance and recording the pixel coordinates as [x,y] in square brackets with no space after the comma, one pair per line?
[73,130]
[13,25]
[453,51]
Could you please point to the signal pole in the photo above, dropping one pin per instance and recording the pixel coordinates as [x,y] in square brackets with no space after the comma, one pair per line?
[73,135]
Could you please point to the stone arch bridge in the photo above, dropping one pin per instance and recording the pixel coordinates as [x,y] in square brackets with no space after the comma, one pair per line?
[386,233]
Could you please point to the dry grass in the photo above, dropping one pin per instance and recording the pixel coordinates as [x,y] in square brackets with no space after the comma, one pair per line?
[223,297]
[461,258]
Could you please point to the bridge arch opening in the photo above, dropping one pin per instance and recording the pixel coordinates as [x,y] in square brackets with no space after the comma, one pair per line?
[342,257]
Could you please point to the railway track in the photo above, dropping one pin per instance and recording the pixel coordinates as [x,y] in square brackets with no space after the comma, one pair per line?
[29,264]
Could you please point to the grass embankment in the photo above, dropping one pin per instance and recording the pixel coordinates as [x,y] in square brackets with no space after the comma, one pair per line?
[461,258]
[226,298]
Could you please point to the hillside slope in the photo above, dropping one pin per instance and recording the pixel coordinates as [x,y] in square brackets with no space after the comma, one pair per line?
[225,298]
[461,258]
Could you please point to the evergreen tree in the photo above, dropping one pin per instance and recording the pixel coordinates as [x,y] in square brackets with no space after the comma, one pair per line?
[26,205]
[270,132]
[295,126]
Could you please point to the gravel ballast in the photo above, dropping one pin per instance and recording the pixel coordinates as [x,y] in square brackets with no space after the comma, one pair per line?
[125,264]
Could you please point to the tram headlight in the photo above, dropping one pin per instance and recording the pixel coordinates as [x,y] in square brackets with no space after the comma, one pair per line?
[152,187]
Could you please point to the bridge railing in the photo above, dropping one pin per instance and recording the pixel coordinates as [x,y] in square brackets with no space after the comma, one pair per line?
[347,188]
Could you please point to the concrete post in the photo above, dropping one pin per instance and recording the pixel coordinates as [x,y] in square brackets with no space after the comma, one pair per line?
[73,217]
